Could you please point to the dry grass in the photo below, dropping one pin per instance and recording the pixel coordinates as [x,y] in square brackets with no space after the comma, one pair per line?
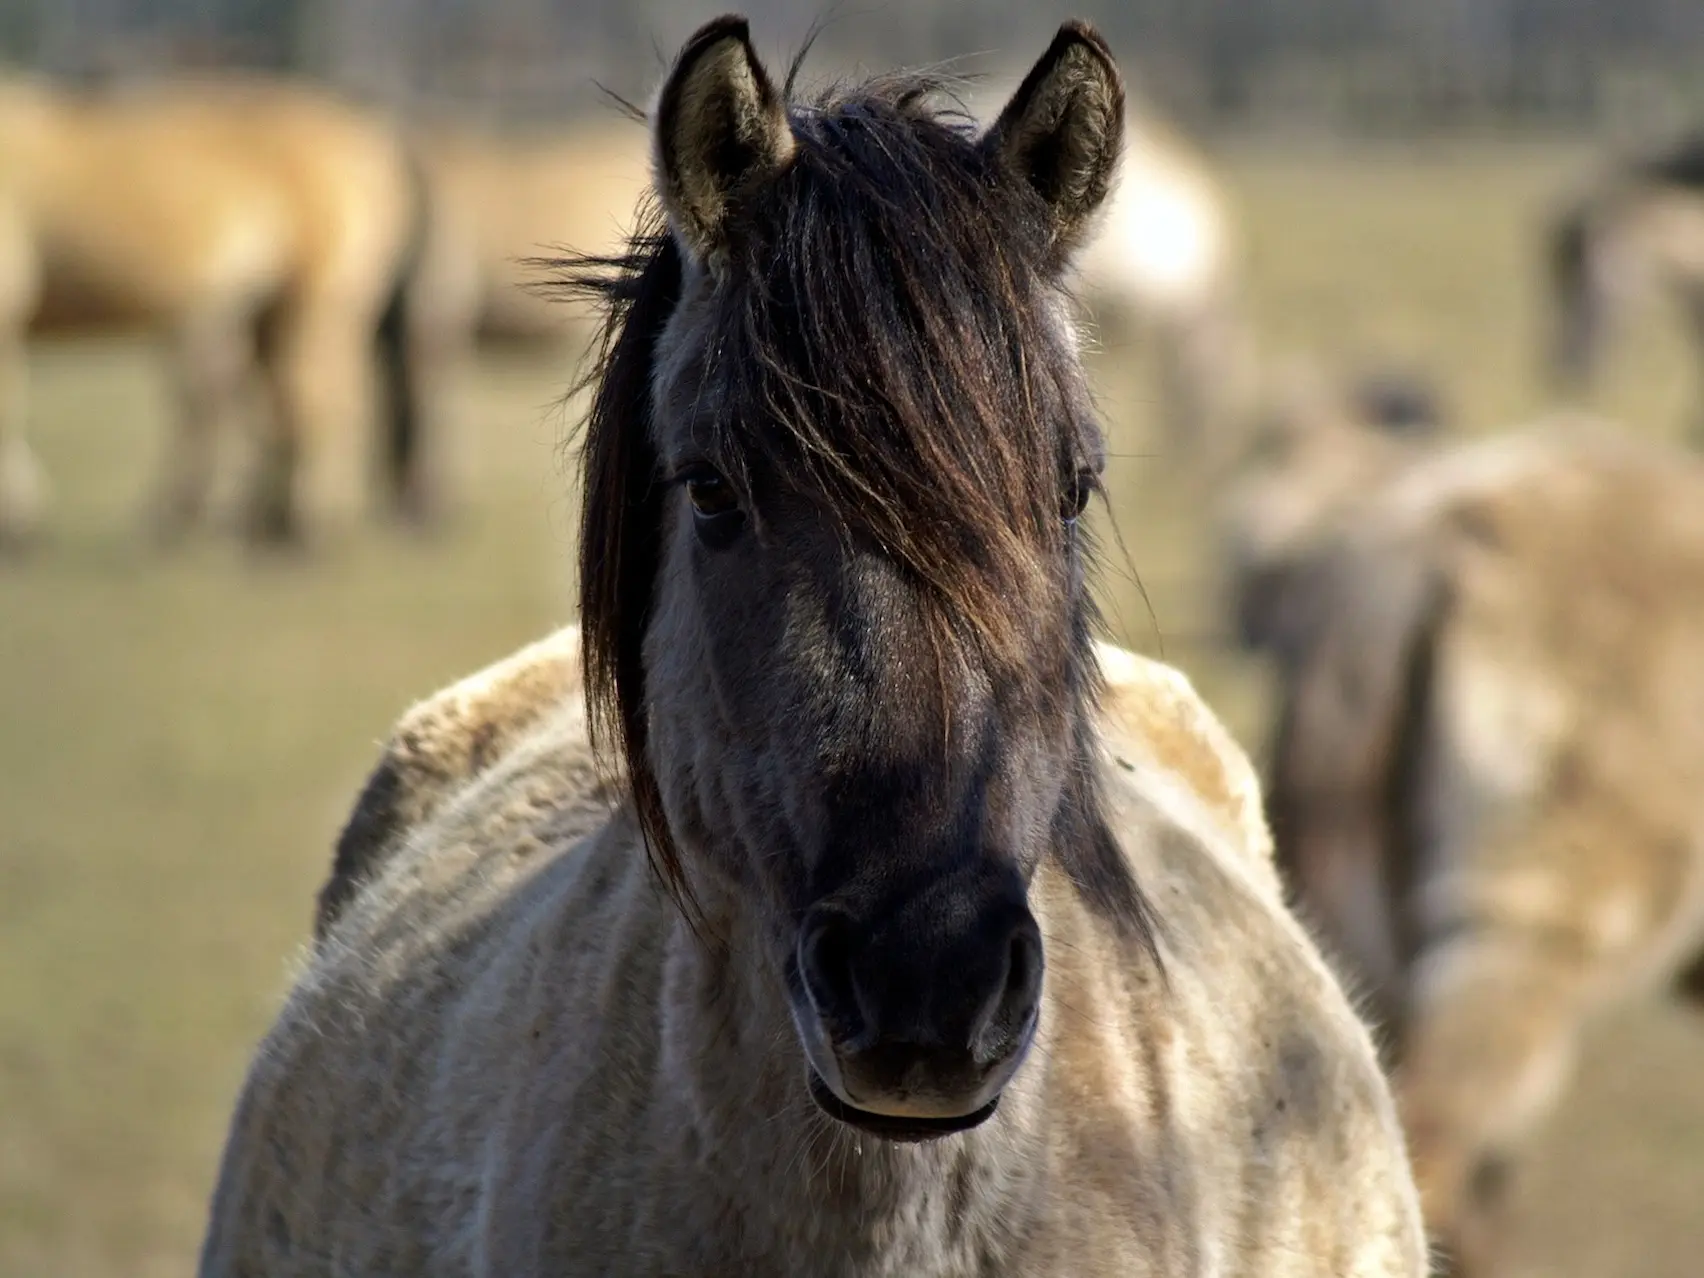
[179,738]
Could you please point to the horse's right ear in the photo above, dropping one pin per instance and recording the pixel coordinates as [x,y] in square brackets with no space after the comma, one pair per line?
[720,130]
[1063,130]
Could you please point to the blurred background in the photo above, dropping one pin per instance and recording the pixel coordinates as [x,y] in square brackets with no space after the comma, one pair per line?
[183,730]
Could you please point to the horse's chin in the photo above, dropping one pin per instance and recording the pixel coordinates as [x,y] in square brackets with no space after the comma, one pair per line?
[906,1128]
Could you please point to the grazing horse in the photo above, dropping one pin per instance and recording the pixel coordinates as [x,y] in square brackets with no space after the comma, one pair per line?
[259,228]
[934,967]
[1638,228]
[1487,774]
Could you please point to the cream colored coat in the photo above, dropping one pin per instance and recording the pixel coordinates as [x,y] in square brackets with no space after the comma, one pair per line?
[510,1056]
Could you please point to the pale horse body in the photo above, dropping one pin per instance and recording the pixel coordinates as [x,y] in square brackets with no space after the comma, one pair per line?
[501,201]
[512,1038]
[1487,778]
[892,946]
[500,204]
[258,228]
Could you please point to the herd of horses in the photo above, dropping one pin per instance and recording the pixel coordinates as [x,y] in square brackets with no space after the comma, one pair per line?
[828,899]
[288,249]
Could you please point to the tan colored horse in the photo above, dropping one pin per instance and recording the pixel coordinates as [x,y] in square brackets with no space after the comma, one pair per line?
[257,227]
[1488,770]
[936,966]
[1637,230]
[503,201]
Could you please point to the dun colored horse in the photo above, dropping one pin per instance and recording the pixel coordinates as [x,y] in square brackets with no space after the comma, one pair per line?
[1637,230]
[1487,771]
[937,966]
[258,228]
[502,201]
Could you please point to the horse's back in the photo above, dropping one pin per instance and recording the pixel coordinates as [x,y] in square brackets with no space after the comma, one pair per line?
[439,746]
[173,200]
[1153,718]
[343,167]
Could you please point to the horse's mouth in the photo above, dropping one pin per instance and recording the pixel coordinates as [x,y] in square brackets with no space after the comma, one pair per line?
[891,1127]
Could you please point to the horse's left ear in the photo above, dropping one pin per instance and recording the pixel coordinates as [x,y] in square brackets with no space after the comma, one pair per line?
[1063,130]
[720,130]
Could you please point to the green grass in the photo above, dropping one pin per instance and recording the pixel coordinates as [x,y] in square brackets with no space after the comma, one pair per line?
[180,736]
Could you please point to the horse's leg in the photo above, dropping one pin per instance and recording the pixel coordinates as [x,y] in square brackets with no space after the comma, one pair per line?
[214,357]
[1493,1018]
[316,363]
[23,485]
[1695,307]
[1689,984]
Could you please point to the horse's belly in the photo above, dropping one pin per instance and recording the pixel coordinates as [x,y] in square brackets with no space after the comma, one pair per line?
[72,303]
[153,263]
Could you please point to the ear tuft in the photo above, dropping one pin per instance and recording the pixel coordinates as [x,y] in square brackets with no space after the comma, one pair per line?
[720,131]
[1063,130]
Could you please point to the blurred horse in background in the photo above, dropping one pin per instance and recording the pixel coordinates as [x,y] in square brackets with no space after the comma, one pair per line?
[502,201]
[1161,275]
[502,205]
[262,229]
[1637,229]
[1486,780]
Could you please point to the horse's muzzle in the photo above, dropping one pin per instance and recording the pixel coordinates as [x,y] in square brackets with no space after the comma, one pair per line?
[914,1033]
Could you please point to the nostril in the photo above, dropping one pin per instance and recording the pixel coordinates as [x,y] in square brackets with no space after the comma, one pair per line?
[825,964]
[1010,1013]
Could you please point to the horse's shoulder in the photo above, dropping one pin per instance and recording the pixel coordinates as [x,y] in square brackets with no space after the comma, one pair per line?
[440,745]
[1152,711]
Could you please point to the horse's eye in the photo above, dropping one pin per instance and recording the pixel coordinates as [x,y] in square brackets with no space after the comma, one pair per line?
[709,493]
[715,504]
[1078,489]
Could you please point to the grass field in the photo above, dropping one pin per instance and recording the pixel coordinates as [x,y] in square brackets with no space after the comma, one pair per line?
[180,737]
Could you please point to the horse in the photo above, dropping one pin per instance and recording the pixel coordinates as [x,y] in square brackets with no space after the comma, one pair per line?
[1634,229]
[262,229]
[502,200]
[807,908]
[497,204]
[1311,447]
[1485,772]
[1163,271]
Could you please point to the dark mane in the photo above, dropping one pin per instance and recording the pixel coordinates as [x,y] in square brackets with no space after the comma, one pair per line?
[891,345]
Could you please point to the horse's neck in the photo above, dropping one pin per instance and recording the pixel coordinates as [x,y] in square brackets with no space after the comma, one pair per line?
[807,1193]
